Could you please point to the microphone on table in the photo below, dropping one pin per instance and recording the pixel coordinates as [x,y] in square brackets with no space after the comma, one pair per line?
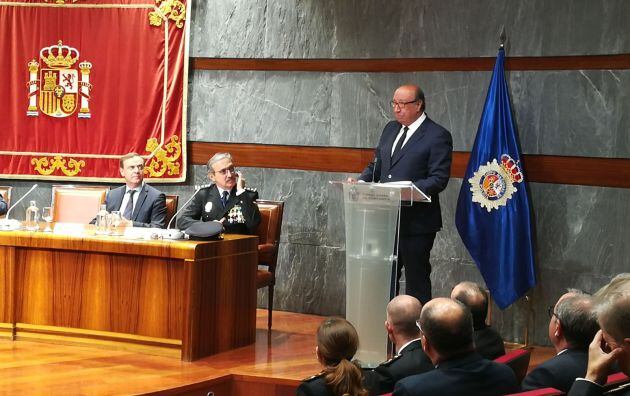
[7,224]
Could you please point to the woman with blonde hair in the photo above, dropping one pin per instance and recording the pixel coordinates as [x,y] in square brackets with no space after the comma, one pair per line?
[337,342]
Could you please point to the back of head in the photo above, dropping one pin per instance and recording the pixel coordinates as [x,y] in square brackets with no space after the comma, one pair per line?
[475,298]
[577,317]
[447,326]
[337,342]
[613,307]
[403,313]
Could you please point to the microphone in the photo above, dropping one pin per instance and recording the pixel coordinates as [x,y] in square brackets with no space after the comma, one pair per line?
[374,168]
[7,224]
[175,233]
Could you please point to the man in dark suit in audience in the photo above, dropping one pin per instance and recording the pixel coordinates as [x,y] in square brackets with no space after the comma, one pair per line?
[612,343]
[447,338]
[572,326]
[140,204]
[488,342]
[226,201]
[403,312]
[3,205]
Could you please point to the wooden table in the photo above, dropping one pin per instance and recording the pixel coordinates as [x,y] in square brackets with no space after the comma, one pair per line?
[188,299]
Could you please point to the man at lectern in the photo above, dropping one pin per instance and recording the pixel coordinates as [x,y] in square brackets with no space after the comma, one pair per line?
[226,201]
[3,205]
[140,204]
[414,148]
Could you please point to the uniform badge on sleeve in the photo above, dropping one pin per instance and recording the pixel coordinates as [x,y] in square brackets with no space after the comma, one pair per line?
[208,207]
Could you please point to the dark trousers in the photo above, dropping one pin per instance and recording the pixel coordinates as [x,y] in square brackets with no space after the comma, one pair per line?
[413,254]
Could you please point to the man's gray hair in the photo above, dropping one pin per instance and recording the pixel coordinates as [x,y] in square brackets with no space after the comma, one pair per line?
[613,307]
[216,158]
[578,318]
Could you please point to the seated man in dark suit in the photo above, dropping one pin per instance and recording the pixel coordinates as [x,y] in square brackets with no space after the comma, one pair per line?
[488,342]
[226,201]
[140,204]
[403,312]
[3,206]
[572,326]
[447,338]
[612,343]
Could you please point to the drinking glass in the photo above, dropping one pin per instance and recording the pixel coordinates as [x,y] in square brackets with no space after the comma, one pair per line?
[115,219]
[47,217]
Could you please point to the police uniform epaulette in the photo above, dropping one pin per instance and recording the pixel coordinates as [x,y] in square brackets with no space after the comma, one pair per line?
[202,186]
[250,189]
[313,377]
[390,361]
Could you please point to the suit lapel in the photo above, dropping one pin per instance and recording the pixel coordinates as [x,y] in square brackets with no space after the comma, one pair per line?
[217,205]
[386,157]
[116,198]
[415,138]
[139,203]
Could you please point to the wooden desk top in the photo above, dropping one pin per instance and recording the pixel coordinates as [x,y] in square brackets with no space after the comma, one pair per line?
[90,242]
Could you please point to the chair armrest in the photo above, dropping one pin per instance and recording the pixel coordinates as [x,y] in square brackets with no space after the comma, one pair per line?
[266,248]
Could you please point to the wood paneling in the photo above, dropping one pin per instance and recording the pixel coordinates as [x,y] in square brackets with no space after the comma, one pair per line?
[112,292]
[399,65]
[588,171]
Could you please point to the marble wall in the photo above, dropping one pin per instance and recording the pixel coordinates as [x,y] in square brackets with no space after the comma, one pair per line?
[580,231]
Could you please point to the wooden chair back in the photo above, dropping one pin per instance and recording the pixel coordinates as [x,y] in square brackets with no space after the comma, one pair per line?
[77,204]
[172,202]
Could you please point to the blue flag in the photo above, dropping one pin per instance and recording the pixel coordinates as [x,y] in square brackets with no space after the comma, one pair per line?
[493,215]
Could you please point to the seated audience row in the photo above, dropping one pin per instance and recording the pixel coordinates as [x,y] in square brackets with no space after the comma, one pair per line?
[437,348]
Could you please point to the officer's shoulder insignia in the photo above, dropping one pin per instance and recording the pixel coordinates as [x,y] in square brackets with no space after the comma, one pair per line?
[313,377]
[250,189]
[390,361]
[202,186]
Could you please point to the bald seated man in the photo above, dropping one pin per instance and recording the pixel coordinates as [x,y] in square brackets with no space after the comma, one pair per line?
[572,326]
[612,343]
[447,339]
[488,342]
[403,312]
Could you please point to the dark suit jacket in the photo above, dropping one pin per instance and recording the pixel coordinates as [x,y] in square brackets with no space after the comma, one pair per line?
[489,343]
[207,206]
[558,372]
[150,209]
[412,360]
[314,386]
[426,161]
[586,388]
[467,375]
[3,206]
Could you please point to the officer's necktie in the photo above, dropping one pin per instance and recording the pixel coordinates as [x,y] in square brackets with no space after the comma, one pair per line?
[400,142]
[129,208]
[224,198]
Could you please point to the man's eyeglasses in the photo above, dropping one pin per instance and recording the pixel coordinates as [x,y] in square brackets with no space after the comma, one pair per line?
[551,312]
[400,105]
[225,171]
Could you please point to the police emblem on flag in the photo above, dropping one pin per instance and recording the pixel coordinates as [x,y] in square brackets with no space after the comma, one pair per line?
[59,86]
[493,184]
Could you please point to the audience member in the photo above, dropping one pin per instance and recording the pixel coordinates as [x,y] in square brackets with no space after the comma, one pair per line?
[572,326]
[337,342]
[447,338]
[488,342]
[226,201]
[403,312]
[140,204]
[612,343]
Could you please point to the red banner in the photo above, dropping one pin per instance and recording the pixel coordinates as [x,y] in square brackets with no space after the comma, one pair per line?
[84,82]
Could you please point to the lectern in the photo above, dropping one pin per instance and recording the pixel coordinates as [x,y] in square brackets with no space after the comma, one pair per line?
[371,213]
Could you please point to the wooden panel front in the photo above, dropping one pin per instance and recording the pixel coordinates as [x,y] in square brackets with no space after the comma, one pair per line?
[118,293]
